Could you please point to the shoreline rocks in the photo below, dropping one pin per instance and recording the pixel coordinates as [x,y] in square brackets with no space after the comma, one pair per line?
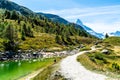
[29,54]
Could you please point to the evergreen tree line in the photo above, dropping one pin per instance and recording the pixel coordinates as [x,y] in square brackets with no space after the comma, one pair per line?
[48,25]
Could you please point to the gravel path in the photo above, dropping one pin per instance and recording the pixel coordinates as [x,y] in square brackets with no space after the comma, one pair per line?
[73,70]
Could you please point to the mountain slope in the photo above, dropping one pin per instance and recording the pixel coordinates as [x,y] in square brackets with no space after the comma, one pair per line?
[54,18]
[9,5]
[89,30]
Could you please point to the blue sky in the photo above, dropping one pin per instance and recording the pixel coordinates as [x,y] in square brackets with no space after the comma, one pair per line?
[100,15]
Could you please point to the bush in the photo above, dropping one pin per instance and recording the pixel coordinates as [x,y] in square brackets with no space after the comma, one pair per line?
[115,66]
[99,56]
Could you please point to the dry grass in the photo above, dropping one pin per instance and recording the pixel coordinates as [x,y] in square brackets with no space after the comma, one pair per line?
[41,41]
[117,50]
[101,63]
[85,61]
[47,72]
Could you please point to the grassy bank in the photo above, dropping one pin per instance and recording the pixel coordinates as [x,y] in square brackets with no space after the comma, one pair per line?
[50,73]
[112,41]
[104,63]
[86,47]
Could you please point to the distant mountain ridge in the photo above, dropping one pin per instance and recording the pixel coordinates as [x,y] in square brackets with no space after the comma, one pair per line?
[54,18]
[9,5]
[89,30]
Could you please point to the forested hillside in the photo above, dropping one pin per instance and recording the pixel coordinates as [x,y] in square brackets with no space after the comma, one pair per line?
[17,30]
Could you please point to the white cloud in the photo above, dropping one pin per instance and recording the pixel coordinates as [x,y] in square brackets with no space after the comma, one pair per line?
[103,27]
[101,19]
[82,12]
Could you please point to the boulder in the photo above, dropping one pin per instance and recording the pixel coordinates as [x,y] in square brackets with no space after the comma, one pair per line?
[105,51]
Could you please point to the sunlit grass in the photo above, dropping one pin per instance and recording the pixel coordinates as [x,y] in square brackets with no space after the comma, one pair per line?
[99,62]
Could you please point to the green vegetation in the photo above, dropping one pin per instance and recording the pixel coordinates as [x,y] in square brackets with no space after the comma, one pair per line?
[98,61]
[107,63]
[86,47]
[113,41]
[48,73]
[106,35]
[42,41]
[37,32]
[85,61]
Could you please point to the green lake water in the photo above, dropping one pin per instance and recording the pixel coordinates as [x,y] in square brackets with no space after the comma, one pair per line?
[14,70]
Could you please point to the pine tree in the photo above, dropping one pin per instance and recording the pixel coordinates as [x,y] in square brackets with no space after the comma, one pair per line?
[23,35]
[7,14]
[11,37]
[106,35]
[58,39]
[14,15]
[30,32]
[9,33]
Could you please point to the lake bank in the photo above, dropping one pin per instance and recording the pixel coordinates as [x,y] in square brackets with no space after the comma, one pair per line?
[19,68]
